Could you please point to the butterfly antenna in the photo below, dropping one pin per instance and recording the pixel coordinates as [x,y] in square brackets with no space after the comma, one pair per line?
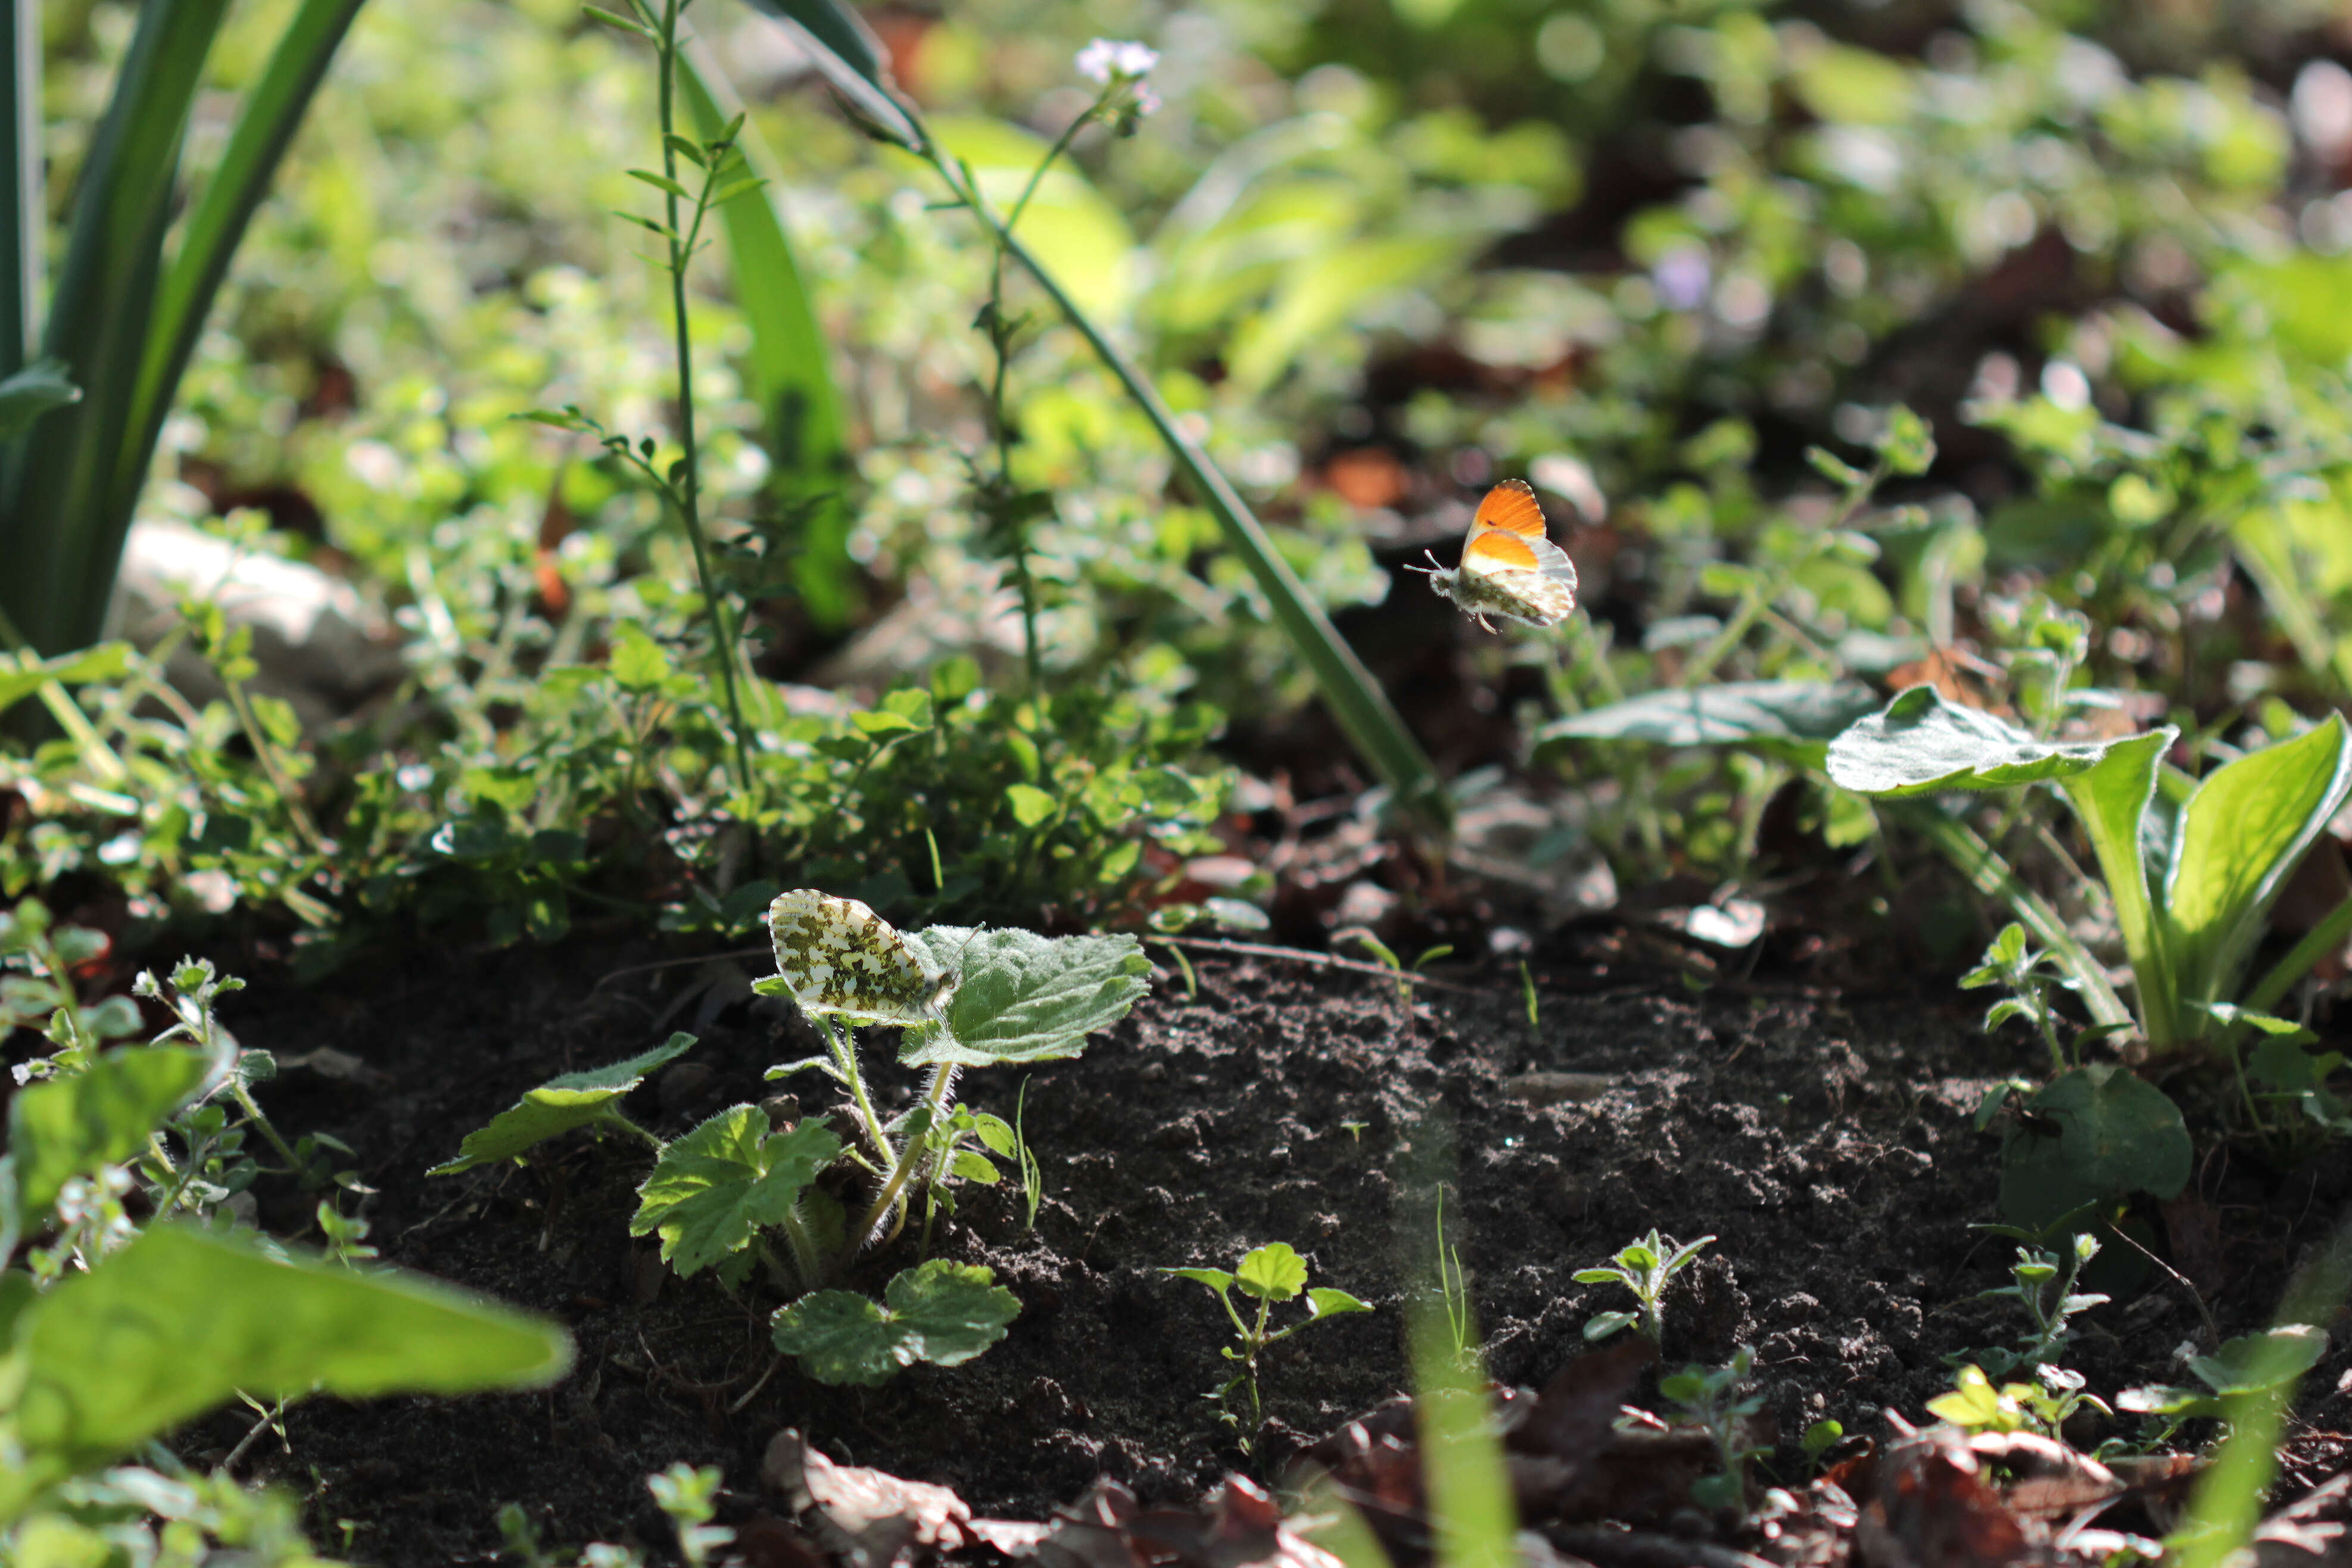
[1431,570]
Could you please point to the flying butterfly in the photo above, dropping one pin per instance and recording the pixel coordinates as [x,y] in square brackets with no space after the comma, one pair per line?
[1509,567]
[841,957]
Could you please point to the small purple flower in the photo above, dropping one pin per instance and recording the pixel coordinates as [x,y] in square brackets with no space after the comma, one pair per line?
[1681,277]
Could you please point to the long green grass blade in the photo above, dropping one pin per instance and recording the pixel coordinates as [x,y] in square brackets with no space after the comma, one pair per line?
[1371,723]
[272,112]
[788,369]
[55,533]
[852,60]
[21,213]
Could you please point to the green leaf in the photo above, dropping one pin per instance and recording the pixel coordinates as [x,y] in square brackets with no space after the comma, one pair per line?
[1217,1279]
[941,1313]
[996,1134]
[31,393]
[60,532]
[1029,805]
[68,1127]
[661,183]
[1601,1325]
[733,1176]
[1920,743]
[1024,997]
[2255,1364]
[179,1320]
[266,123]
[558,1106]
[2117,1134]
[639,663]
[2241,837]
[972,1165]
[1791,719]
[1274,1272]
[1326,1303]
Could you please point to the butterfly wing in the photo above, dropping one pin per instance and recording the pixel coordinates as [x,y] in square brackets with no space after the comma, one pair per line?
[1508,535]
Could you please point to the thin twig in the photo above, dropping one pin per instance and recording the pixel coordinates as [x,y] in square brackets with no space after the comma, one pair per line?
[1316,961]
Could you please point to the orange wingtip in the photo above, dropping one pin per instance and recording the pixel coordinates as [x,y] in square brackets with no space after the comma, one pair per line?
[1511,507]
[1499,548]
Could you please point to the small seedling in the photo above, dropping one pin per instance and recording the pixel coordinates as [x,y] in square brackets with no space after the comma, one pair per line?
[1713,1398]
[719,1196]
[1645,1268]
[1820,1438]
[1271,1274]
[2027,975]
[1528,989]
[1355,1130]
[1454,1285]
[2043,1285]
[2042,1406]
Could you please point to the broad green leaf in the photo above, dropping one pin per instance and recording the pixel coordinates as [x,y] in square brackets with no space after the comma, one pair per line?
[32,392]
[70,1127]
[941,1313]
[731,1177]
[2241,837]
[1028,804]
[179,1320]
[1024,997]
[2117,1134]
[1274,1272]
[1326,1303]
[1791,719]
[639,663]
[1919,745]
[2254,1364]
[560,1104]
[2113,801]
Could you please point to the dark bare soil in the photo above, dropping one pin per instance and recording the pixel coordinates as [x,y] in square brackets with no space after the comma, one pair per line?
[1824,1140]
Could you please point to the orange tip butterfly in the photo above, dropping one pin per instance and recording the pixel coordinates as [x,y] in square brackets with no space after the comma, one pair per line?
[1509,567]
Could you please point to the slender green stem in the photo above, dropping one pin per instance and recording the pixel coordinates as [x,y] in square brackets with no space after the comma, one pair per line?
[1356,701]
[684,485]
[1990,875]
[942,1080]
[2317,943]
[844,1046]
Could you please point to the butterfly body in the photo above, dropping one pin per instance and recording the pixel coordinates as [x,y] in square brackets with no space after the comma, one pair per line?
[1508,566]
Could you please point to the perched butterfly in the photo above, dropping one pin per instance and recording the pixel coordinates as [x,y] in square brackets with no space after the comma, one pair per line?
[841,957]
[1509,567]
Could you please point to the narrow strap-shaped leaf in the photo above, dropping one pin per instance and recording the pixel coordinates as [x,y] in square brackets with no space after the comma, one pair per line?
[272,113]
[2112,798]
[852,60]
[60,541]
[21,207]
[789,368]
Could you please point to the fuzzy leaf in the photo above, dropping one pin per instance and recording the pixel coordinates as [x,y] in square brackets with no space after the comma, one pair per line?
[1020,997]
[1920,743]
[179,1320]
[941,1313]
[2117,1134]
[560,1104]
[1794,719]
[731,1177]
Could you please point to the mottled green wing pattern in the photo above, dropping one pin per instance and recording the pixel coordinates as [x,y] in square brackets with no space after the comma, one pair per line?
[841,957]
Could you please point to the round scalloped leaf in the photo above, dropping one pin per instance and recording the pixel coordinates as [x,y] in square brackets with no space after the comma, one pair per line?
[941,1313]
[731,1177]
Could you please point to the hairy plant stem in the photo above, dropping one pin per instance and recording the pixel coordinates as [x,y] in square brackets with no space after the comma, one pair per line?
[935,1096]
[684,485]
